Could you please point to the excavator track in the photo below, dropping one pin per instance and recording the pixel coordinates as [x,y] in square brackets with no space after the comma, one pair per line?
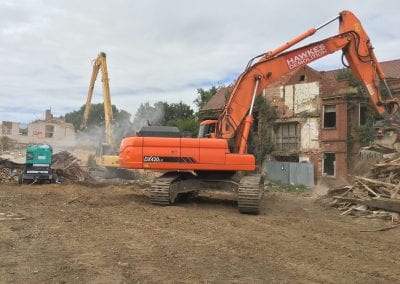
[250,193]
[160,190]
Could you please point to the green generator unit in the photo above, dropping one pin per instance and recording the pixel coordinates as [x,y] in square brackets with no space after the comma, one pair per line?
[37,165]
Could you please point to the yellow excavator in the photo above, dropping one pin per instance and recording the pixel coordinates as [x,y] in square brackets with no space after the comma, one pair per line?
[106,154]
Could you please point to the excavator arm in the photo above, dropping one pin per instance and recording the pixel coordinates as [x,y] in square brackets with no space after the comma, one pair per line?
[236,117]
[100,63]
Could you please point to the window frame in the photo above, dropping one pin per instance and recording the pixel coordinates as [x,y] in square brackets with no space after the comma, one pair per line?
[323,116]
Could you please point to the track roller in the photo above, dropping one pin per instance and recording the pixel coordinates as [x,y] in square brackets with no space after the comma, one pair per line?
[160,190]
[250,193]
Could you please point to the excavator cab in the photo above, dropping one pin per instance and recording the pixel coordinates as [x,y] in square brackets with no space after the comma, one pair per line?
[106,157]
[208,129]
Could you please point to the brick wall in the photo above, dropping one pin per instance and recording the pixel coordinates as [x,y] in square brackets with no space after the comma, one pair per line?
[338,133]
[316,159]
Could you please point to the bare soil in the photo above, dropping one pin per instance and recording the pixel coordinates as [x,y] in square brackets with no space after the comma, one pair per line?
[80,234]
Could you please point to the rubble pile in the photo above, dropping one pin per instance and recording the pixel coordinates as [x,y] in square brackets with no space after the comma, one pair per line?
[6,170]
[377,195]
[67,168]
[5,175]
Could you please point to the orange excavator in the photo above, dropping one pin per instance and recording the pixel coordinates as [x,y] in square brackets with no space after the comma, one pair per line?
[215,159]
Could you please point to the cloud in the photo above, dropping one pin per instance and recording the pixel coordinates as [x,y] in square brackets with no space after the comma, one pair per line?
[156,50]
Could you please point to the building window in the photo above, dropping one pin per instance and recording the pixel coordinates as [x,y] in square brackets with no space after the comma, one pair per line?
[289,158]
[23,129]
[287,137]
[329,164]
[302,78]
[5,130]
[329,116]
[363,114]
[49,131]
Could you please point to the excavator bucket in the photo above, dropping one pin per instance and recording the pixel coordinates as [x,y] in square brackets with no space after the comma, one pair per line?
[387,138]
[388,135]
[386,143]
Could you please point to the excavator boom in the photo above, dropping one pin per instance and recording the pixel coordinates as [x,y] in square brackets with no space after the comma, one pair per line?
[100,64]
[106,156]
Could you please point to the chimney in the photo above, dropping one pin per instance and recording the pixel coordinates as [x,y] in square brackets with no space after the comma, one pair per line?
[48,116]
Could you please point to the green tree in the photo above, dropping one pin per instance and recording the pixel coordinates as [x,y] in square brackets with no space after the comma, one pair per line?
[185,125]
[345,74]
[265,115]
[177,111]
[97,117]
[203,96]
[75,117]
[147,114]
[120,125]
[162,113]
[366,133]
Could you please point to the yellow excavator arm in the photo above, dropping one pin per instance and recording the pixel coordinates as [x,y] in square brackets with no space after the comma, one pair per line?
[100,63]
[106,154]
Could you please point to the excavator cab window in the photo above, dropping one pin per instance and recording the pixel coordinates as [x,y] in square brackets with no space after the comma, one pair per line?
[207,129]
[107,149]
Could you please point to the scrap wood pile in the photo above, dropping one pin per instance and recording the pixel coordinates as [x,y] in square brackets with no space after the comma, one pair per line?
[5,175]
[67,167]
[6,169]
[375,196]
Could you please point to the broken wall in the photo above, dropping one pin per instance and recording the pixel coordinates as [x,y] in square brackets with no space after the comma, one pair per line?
[10,128]
[310,134]
[56,134]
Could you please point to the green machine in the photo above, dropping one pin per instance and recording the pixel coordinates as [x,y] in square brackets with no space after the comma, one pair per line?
[37,164]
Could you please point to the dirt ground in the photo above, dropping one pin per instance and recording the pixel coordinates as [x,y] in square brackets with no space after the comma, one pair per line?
[80,234]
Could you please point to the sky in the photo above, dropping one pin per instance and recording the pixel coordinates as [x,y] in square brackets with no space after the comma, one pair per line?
[157,50]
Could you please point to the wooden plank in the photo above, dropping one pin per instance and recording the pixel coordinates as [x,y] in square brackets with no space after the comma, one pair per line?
[71,163]
[381,229]
[369,189]
[13,218]
[386,204]
[348,211]
[394,194]
[377,182]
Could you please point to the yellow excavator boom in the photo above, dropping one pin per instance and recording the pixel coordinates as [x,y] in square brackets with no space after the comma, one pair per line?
[100,64]
[106,154]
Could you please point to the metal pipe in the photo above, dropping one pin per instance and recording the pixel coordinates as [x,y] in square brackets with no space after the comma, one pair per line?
[328,22]
[248,121]
[258,78]
[299,38]
[388,89]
